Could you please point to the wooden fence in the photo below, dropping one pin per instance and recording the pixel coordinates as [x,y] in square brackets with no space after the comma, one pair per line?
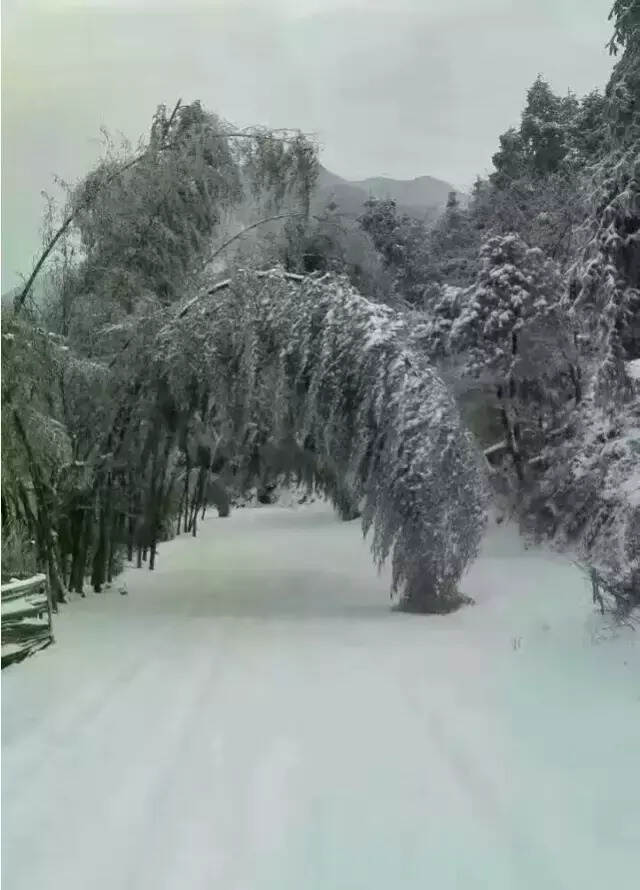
[26,618]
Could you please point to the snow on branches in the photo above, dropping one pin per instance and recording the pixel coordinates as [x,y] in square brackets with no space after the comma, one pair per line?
[516,285]
[314,361]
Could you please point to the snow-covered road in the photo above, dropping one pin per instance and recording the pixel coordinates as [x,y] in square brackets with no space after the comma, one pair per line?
[254,716]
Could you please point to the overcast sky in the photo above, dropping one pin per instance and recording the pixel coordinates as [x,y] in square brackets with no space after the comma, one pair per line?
[399,88]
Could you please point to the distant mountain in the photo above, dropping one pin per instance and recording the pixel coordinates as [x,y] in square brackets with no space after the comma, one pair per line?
[421,192]
[422,197]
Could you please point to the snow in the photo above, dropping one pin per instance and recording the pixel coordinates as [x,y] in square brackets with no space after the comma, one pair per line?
[633,369]
[253,715]
[15,586]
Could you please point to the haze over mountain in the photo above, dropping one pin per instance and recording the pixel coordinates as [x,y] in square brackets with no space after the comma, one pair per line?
[422,197]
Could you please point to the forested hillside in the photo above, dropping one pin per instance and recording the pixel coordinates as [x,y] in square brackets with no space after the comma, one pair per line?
[174,361]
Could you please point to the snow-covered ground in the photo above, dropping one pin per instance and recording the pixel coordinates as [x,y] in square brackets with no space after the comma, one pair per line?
[254,716]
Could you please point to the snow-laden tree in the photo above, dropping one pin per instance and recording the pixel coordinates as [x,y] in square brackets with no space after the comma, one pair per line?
[312,362]
[552,320]
[515,286]
[541,143]
[605,285]
[509,331]
[587,499]
[588,494]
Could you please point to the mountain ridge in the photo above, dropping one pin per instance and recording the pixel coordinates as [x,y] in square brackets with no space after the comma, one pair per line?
[422,197]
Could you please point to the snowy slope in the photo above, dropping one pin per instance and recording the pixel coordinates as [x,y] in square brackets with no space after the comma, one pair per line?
[254,716]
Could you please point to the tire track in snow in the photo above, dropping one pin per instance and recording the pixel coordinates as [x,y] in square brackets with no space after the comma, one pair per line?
[109,809]
[529,860]
[34,753]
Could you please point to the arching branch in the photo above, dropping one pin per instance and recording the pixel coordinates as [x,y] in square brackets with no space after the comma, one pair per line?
[309,359]
[255,225]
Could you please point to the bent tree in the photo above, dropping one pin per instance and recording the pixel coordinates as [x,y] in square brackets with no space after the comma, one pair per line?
[272,359]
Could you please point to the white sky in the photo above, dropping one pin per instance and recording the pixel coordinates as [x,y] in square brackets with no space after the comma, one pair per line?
[392,87]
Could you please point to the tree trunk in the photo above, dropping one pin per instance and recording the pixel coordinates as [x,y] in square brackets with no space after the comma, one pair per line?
[179,515]
[421,597]
[56,581]
[186,490]
[64,557]
[77,531]
[98,571]
[157,497]
[131,523]
[130,532]
[511,434]
[199,498]
[56,584]
[80,565]
[111,554]
[45,500]
[103,548]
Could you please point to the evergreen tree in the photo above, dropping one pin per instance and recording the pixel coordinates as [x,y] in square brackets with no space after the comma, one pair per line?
[402,243]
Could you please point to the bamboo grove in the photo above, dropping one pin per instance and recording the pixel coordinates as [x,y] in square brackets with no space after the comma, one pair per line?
[141,394]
